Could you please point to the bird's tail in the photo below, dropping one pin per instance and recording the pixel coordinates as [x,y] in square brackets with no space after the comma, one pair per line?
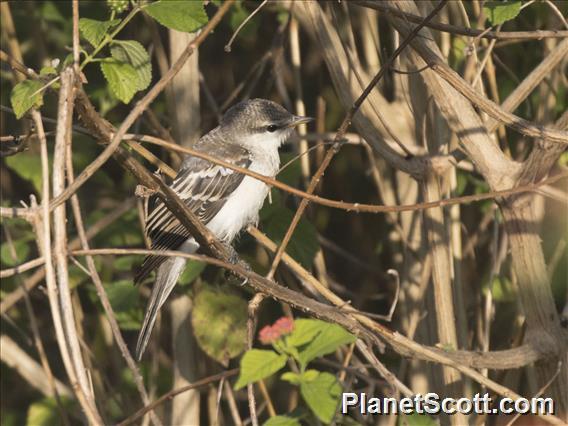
[166,279]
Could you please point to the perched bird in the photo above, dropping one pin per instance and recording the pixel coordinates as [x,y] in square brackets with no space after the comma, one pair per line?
[249,135]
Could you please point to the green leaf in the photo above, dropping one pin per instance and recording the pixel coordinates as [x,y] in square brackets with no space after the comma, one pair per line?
[125,301]
[282,421]
[416,419]
[27,165]
[304,331]
[461,183]
[310,375]
[304,243]
[122,295]
[133,53]
[130,320]
[327,341]
[293,172]
[293,378]
[48,70]
[125,263]
[257,364]
[322,395]
[94,31]
[181,15]
[45,412]
[26,95]
[501,289]
[192,270]
[22,249]
[228,313]
[122,79]
[50,13]
[498,12]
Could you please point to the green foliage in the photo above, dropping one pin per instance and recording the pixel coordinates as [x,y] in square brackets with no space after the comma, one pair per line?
[122,79]
[498,12]
[416,419]
[330,337]
[321,391]
[308,340]
[45,412]
[304,332]
[291,172]
[282,421]
[258,364]
[25,95]
[49,70]
[28,166]
[125,301]
[192,270]
[122,295]
[94,31]
[227,339]
[22,249]
[501,289]
[133,53]
[125,263]
[181,15]
[304,243]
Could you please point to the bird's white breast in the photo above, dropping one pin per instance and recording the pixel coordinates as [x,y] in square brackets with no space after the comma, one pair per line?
[243,205]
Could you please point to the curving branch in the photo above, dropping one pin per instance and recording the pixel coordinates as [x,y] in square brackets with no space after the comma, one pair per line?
[454,29]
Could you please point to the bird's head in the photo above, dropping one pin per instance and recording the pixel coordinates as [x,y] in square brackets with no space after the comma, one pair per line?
[260,122]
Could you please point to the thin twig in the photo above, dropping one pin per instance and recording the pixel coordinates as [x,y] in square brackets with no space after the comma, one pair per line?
[142,105]
[471,32]
[62,137]
[342,129]
[248,18]
[101,292]
[251,326]
[43,228]
[172,393]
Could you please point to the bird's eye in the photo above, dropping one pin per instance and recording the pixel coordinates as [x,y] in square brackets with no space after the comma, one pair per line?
[272,128]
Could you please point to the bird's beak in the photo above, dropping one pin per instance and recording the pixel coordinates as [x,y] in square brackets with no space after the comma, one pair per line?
[298,119]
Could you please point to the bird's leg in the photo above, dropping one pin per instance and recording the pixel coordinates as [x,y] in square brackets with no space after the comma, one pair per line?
[235,259]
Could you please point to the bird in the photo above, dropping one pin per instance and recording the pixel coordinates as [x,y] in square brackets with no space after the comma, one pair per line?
[249,135]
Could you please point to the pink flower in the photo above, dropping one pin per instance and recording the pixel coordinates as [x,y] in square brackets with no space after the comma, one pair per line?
[268,335]
[284,325]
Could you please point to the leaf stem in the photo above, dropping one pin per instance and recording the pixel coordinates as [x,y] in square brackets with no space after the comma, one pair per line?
[109,37]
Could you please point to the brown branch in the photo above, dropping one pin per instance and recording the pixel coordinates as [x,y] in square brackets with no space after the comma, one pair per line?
[41,223]
[101,292]
[252,310]
[16,358]
[102,133]
[141,106]
[16,65]
[506,359]
[454,29]
[351,207]
[339,136]
[516,123]
[351,322]
[15,296]
[62,138]
[34,263]
[171,394]
[530,82]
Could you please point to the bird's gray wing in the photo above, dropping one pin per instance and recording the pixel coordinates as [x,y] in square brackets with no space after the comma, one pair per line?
[204,187]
